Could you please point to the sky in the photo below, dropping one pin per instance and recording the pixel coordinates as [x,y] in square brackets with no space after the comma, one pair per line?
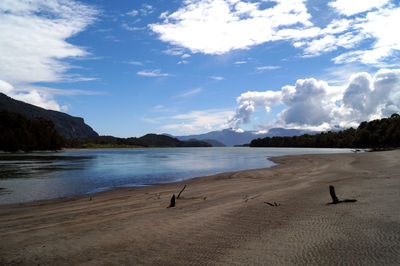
[192,66]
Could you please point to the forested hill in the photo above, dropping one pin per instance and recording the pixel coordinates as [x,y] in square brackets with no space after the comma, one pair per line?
[382,133]
[67,126]
[149,140]
[19,133]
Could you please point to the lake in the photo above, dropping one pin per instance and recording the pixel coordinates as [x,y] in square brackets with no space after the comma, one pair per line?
[38,176]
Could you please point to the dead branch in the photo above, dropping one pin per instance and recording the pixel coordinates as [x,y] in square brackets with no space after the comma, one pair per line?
[179,195]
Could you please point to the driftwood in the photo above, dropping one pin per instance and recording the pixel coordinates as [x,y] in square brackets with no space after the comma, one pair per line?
[335,199]
[179,195]
[275,204]
[172,204]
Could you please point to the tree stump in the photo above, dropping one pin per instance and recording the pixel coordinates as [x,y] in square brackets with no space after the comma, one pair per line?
[335,200]
[172,204]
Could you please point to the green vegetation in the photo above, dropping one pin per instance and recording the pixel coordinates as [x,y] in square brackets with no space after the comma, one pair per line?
[147,141]
[19,133]
[377,134]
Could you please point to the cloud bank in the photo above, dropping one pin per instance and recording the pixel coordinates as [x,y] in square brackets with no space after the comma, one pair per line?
[315,105]
[33,43]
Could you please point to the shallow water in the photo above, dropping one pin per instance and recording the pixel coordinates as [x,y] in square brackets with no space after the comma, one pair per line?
[37,176]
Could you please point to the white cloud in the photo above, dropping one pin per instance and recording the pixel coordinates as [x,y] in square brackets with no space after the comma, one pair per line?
[218,78]
[135,63]
[33,42]
[379,27]
[365,30]
[353,7]
[264,68]
[132,28]
[133,13]
[198,121]
[152,73]
[33,96]
[219,26]
[314,104]
[146,9]
[32,45]
[174,51]
[382,26]
[240,62]
[190,93]
[249,101]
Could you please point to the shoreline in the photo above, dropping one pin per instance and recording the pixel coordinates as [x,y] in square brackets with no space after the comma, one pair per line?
[26,194]
[222,219]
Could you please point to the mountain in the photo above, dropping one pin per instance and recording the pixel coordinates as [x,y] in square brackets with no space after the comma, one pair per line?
[230,137]
[66,125]
[214,143]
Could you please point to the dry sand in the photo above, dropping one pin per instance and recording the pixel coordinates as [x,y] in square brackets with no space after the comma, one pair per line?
[223,219]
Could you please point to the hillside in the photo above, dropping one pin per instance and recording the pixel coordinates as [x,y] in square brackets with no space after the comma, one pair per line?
[67,126]
[18,133]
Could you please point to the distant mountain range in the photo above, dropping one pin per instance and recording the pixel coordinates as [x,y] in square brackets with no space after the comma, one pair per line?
[67,126]
[229,137]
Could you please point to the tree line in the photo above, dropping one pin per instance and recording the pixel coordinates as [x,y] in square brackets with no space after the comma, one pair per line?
[146,141]
[18,133]
[377,134]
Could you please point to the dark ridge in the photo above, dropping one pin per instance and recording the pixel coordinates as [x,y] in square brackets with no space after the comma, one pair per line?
[67,126]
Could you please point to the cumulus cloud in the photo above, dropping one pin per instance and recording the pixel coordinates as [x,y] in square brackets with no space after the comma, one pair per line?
[249,101]
[219,26]
[33,42]
[314,104]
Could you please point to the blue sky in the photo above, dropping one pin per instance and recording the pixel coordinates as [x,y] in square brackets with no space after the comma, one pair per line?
[187,67]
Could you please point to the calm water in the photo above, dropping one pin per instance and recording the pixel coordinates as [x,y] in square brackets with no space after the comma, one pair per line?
[37,176]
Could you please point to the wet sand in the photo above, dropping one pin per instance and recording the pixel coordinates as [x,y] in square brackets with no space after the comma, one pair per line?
[223,219]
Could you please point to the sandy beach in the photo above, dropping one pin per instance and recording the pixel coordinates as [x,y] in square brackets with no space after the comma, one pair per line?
[223,219]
